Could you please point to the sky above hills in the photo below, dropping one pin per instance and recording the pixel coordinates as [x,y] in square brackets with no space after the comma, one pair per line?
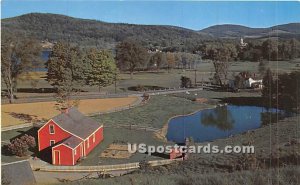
[189,14]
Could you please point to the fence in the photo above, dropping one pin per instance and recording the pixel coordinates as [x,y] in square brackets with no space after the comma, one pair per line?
[98,95]
[105,168]
[133,127]
[16,127]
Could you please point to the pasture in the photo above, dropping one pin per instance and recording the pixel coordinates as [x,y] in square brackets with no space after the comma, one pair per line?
[35,84]
[13,114]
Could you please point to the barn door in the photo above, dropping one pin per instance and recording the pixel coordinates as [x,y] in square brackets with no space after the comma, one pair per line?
[56,157]
[81,150]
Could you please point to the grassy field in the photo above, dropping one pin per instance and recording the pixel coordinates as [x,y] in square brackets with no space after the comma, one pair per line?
[13,114]
[162,107]
[161,78]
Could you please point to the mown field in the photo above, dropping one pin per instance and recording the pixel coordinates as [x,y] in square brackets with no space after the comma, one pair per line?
[14,114]
[159,78]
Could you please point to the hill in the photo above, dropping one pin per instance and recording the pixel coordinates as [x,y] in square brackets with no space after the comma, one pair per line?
[55,27]
[291,30]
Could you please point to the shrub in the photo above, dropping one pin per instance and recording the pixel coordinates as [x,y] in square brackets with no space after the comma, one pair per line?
[144,165]
[185,82]
[20,146]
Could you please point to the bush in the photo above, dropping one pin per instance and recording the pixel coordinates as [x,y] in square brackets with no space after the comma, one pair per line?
[144,165]
[20,146]
[185,82]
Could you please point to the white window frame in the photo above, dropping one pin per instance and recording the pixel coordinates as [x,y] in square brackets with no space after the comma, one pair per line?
[88,143]
[50,129]
[94,138]
[75,151]
[53,142]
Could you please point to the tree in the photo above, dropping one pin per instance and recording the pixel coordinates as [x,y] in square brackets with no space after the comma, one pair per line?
[220,55]
[185,82]
[270,49]
[101,69]
[283,91]
[130,55]
[262,67]
[170,60]
[65,72]
[17,57]
[158,60]
[20,146]
[268,85]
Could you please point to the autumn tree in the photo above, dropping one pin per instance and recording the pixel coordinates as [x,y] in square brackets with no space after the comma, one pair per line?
[65,72]
[20,146]
[17,57]
[100,68]
[220,55]
[170,60]
[158,60]
[130,55]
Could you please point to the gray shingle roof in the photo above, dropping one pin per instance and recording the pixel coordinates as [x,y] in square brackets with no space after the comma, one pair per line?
[72,141]
[18,173]
[76,123]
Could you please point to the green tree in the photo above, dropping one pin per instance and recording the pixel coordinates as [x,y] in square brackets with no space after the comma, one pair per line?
[270,49]
[65,72]
[262,67]
[185,82]
[101,69]
[17,57]
[130,55]
[268,85]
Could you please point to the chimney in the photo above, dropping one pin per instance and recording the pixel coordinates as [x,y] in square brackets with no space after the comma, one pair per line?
[65,110]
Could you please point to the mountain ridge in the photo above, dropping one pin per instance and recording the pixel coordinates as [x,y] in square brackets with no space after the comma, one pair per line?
[88,32]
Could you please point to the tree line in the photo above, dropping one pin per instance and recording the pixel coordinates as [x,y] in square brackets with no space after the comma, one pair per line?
[270,49]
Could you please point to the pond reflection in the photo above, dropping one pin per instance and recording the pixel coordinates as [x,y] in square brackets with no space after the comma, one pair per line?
[220,122]
[219,117]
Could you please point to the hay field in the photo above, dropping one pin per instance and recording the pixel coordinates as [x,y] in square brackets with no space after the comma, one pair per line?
[13,114]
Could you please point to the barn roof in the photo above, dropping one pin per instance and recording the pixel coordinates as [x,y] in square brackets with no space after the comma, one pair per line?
[72,141]
[76,123]
[17,173]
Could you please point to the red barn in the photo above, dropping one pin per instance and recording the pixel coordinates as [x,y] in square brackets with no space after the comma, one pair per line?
[70,135]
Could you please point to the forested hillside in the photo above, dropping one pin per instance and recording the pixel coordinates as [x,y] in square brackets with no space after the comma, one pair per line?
[54,27]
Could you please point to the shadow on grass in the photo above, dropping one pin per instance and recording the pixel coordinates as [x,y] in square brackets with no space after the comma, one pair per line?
[161,155]
[26,117]
[44,155]
[246,101]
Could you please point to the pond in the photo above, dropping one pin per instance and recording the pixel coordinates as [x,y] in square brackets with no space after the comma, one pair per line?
[220,122]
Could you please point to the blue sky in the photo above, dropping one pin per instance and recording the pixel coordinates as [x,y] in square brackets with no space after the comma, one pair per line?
[194,15]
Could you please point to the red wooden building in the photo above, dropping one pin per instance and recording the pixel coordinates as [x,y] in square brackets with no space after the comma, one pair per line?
[70,136]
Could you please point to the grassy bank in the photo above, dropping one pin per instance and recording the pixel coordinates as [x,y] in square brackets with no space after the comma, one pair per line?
[154,114]
[283,176]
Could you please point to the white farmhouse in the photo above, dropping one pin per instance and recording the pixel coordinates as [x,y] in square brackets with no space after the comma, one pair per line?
[251,83]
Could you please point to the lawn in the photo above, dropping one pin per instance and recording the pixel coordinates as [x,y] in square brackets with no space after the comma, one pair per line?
[160,78]
[162,107]
[111,135]
[124,136]
[45,110]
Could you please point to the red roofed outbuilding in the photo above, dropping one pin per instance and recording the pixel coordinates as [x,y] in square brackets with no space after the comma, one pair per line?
[70,135]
